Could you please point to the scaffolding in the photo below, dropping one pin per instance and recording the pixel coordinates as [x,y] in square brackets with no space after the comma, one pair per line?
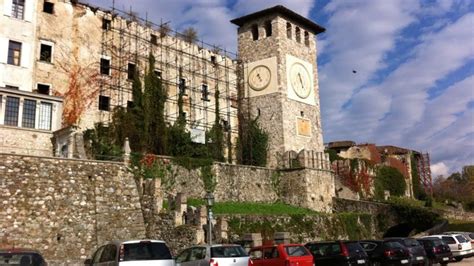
[424,171]
[191,68]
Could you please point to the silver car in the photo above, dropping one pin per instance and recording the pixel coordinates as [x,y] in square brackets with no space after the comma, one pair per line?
[215,255]
[132,253]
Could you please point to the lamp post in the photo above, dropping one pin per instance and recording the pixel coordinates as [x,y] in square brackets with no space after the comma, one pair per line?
[209,203]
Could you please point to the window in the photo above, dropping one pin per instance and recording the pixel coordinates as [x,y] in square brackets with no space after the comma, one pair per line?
[29,114]
[106,24]
[108,254]
[131,71]
[205,92]
[104,103]
[45,115]
[153,39]
[12,87]
[11,111]
[18,9]
[48,7]
[14,53]
[288,30]
[182,86]
[104,66]
[268,28]
[42,89]
[298,34]
[213,59]
[255,32]
[306,38]
[157,73]
[46,52]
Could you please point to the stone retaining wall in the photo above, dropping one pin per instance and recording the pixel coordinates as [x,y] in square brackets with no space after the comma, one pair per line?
[66,208]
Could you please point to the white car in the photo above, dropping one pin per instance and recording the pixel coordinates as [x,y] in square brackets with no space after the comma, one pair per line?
[132,253]
[459,245]
[215,255]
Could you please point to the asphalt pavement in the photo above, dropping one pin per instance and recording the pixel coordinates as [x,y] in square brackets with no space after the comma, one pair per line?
[464,262]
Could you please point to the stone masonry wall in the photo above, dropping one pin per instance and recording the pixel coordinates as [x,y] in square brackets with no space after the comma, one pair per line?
[66,208]
[25,141]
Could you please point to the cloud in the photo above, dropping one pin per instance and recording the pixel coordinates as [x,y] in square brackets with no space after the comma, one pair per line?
[211,18]
[359,34]
[439,169]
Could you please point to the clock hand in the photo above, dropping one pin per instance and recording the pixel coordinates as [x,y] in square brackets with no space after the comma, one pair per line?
[301,80]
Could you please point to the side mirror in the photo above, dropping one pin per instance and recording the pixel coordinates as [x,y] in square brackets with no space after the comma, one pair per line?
[88,262]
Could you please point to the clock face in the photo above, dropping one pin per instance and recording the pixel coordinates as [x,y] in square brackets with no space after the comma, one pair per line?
[259,78]
[300,80]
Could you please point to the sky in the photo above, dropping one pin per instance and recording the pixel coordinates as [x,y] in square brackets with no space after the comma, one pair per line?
[413,60]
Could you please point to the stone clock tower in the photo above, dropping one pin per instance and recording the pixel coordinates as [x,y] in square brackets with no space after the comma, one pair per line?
[277,53]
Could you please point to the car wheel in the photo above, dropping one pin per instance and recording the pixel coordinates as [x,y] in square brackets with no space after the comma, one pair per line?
[458,259]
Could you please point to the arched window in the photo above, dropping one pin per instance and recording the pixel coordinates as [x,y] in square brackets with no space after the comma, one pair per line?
[306,38]
[255,32]
[288,30]
[268,28]
[298,34]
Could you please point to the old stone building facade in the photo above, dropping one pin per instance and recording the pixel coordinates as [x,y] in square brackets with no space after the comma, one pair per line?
[85,58]
[80,61]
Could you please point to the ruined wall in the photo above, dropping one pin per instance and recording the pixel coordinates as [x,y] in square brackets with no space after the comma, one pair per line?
[80,41]
[66,208]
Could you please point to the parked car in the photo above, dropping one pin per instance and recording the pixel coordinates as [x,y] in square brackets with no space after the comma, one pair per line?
[386,252]
[215,255]
[280,255]
[459,245]
[21,257]
[468,235]
[436,250]
[417,251]
[338,253]
[132,253]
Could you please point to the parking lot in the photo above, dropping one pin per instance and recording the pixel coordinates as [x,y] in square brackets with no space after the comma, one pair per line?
[464,262]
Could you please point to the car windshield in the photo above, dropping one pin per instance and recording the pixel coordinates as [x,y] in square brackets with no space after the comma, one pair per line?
[410,242]
[145,251]
[30,259]
[296,251]
[228,252]
[461,239]
[471,235]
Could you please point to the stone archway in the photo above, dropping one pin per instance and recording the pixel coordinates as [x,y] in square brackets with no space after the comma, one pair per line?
[399,230]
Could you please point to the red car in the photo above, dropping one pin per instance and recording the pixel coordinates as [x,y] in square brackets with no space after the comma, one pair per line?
[280,255]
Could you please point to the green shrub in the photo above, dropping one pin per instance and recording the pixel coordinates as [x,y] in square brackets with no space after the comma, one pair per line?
[389,178]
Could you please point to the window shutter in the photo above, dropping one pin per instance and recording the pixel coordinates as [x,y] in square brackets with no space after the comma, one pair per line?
[7,7]
[25,55]
[29,8]
[3,50]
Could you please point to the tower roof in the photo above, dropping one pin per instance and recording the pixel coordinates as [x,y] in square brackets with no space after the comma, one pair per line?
[283,11]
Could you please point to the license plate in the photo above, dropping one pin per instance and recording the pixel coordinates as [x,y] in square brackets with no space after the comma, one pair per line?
[360,261]
[445,259]
[404,261]
[419,258]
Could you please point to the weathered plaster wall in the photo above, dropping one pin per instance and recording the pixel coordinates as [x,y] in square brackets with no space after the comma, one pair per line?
[25,141]
[66,208]
[81,42]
